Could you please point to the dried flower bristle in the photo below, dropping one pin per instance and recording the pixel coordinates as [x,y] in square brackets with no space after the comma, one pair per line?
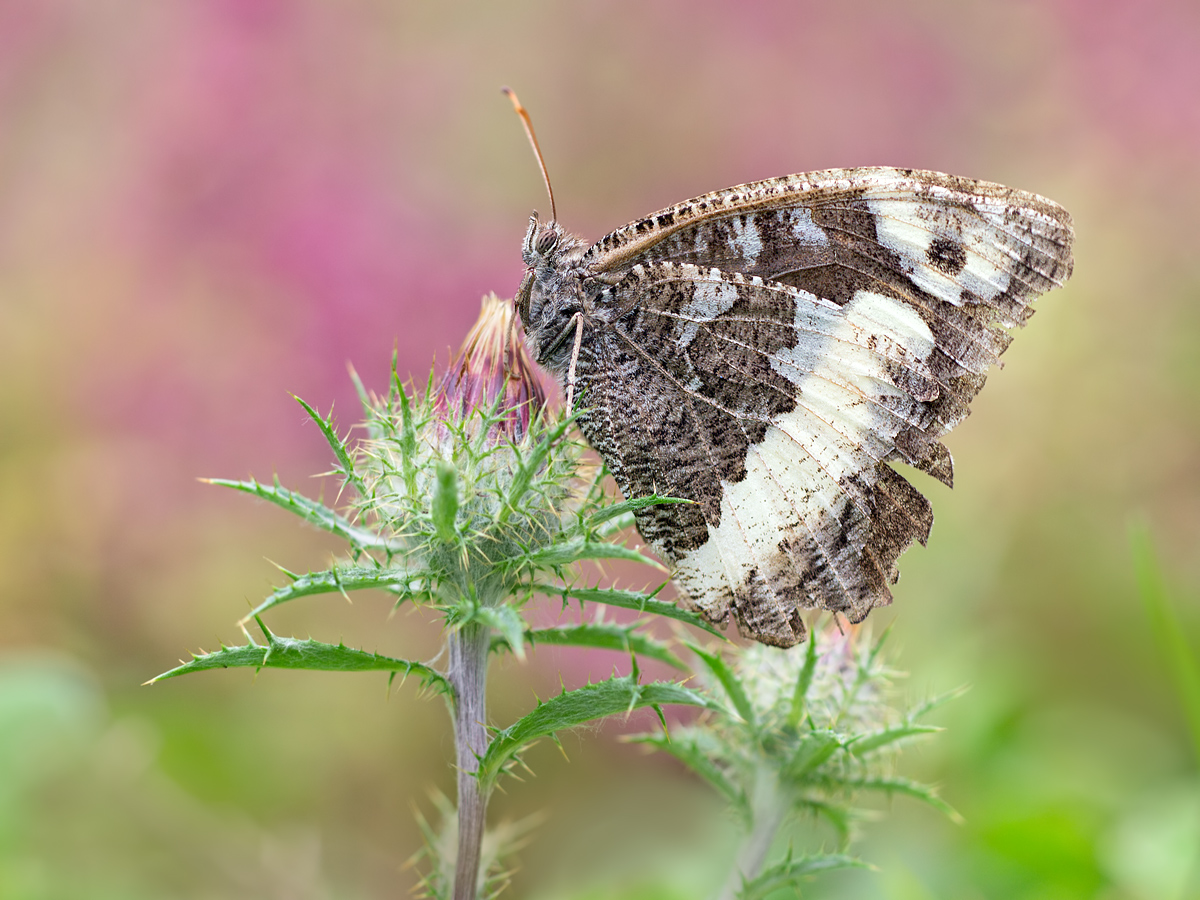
[493,370]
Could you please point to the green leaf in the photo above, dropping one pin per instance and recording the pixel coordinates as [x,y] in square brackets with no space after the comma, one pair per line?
[572,708]
[338,446]
[335,580]
[567,552]
[643,603]
[370,413]
[594,496]
[312,512]
[814,749]
[1167,630]
[615,526]
[891,786]
[838,817]
[606,637]
[628,506]
[531,465]
[860,745]
[934,702]
[730,682]
[444,508]
[506,621]
[803,683]
[791,872]
[408,437]
[866,662]
[290,653]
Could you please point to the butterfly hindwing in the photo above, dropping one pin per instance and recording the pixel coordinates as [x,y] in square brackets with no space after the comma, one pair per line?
[775,411]
[768,350]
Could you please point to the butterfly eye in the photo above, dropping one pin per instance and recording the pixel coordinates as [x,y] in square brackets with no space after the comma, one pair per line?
[546,241]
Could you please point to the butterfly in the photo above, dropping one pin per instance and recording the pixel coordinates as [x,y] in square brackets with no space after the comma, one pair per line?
[768,350]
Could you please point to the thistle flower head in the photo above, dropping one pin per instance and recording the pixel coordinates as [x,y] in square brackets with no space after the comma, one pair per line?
[848,688]
[472,476]
[493,371]
[809,729]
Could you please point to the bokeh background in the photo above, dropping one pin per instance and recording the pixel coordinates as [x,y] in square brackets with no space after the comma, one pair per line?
[207,205]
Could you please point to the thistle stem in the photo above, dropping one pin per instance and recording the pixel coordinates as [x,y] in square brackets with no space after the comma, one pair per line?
[769,811]
[468,674]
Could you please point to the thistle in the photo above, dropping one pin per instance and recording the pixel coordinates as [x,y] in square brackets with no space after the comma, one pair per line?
[470,499]
[802,732]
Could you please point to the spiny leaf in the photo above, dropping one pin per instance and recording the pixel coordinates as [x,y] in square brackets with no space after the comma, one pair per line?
[867,664]
[838,816]
[730,682]
[813,750]
[791,872]
[615,526]
[408,437]
[291,653]
[337,445]
[531,465]
[312,512]
[934,702]
[370,413]
[335,580]
[571,708]
[864,744]
[644,603]
[506,621]
[444,507]
[803,683]
[594,496]
[606,637]
[628,506]
[563,554]
[906,787]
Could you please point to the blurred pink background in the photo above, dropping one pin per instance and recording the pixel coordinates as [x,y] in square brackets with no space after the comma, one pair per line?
[206,206]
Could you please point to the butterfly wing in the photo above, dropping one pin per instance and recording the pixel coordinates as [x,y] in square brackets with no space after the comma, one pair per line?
[969,256]
[776,402]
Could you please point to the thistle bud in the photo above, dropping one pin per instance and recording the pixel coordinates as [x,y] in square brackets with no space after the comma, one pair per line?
[473,473]
[493,375]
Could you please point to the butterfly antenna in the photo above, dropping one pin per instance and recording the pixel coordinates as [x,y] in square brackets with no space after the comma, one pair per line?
[537,151]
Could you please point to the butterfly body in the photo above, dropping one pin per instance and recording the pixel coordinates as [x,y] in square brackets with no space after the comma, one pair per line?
[768,350]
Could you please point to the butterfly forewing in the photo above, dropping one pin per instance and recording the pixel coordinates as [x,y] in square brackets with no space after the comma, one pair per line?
[767,350]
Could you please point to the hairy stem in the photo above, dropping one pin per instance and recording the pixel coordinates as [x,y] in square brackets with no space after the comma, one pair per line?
[468,674]
[769,810]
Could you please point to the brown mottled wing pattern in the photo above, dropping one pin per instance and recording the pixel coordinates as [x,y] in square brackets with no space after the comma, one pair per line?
[770,348]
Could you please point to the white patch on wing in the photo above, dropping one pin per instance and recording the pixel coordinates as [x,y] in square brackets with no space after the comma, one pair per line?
[981,277]
[909,228]
[784,488]
[709,300]
[854,345]
[711,572]
[798,221]
[793,476]
[746,238]
[891,318]
[898,228]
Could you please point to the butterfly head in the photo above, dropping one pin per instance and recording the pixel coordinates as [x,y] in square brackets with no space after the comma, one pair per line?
[540,240]
[551,293]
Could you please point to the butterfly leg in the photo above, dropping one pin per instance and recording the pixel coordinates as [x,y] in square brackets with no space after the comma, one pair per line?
[574,360]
